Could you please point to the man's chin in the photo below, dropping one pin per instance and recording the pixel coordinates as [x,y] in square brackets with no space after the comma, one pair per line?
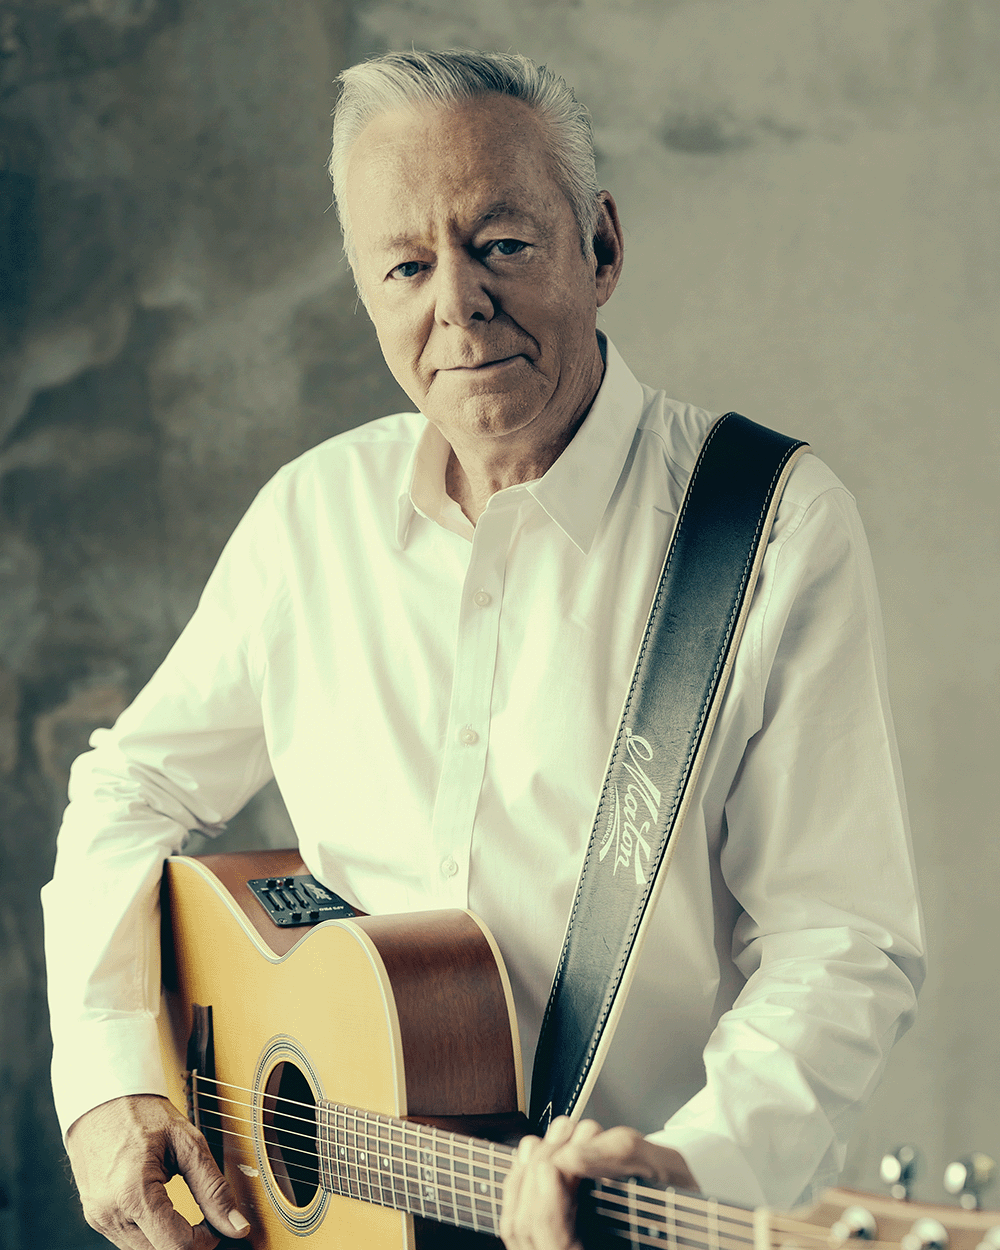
[480,408]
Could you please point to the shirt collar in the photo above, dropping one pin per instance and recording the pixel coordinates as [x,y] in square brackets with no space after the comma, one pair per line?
[576,490]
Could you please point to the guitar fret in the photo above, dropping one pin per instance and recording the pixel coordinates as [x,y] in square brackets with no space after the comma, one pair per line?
[339,1148]
[713,1225]
[398,1155]
[633,1214]
[323,1146]
[654,1217]
[357,1157]
[443,1176]
[384,1157]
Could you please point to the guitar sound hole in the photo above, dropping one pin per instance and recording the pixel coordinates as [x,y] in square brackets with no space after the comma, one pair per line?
[289,1123]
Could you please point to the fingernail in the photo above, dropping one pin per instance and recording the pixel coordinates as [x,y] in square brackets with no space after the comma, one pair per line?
[239,1221]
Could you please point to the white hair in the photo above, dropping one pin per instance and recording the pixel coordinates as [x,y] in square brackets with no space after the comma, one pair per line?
[408,79]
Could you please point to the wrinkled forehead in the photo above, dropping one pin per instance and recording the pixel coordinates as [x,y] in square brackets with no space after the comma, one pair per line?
[461,126]
[414,169]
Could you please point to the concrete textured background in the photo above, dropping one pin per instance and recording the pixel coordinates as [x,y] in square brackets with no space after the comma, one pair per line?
[810,191]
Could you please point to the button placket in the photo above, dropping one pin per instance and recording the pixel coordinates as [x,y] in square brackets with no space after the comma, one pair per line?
[465,754]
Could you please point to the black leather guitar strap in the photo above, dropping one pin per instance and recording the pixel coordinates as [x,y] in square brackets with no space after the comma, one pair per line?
[684,661]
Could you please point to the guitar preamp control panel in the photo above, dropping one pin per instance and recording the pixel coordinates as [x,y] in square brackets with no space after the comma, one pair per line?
[292,901]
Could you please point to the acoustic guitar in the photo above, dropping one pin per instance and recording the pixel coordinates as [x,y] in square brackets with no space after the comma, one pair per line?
[359,1083]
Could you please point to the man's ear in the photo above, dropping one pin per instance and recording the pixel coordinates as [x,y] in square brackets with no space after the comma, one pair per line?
[609,247]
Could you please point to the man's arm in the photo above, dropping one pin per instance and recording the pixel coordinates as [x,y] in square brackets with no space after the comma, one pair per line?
[817,855]
[185,755]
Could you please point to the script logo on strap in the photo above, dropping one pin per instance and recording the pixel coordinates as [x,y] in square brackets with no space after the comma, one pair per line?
[624,832]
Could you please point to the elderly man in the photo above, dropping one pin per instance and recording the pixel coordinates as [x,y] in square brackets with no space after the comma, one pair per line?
[424,629]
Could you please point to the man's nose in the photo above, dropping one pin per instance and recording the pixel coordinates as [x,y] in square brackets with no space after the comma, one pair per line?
[461,293]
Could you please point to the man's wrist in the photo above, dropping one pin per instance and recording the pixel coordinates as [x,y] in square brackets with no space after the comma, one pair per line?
[98,1061]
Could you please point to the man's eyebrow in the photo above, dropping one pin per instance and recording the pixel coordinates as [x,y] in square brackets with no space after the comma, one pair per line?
[392,243]
[499,210]
[504,210]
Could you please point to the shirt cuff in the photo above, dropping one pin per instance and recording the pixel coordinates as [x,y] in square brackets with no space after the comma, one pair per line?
[106,1059]
[716,1163]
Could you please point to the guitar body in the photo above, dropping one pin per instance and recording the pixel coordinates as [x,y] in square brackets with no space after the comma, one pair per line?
[359,1082]
[410,1016]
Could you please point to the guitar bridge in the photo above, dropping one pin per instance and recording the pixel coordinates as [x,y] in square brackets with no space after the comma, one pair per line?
[200,1083]
[301,900]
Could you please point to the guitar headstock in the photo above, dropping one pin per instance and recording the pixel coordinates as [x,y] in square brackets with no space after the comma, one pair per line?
[908,1225]
[843,1219]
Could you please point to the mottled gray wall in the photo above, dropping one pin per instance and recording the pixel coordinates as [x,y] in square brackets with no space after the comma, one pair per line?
[810,193]
[177,324]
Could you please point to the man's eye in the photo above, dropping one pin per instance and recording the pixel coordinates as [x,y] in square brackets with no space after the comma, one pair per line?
[506,247]
[408,269]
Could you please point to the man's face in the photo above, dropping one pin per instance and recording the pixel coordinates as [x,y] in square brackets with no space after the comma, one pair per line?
[469,258]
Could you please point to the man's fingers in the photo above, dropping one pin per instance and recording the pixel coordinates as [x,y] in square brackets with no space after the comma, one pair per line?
[166,1229]
[121,1233]
[538,1199]
[208,1186]
[621,1152]
[148,1221]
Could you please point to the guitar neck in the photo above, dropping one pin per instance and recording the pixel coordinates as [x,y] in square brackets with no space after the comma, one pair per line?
[443,1176]
[454,1179]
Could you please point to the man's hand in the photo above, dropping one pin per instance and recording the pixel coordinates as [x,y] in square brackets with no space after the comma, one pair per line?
[123,1153]
[539,1196]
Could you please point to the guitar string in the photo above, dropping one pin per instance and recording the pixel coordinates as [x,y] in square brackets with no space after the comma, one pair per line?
[639,1214]
[235,1102]
[292,1102]
[392,1194]
[310,1172]
[381,1174]
[681,1206]
[463,1202]
[360,1165]
[420,1143]
[653,1203]
[623,1223]
[420,1138]
[688,1235]
[687,1210]
[677,1234]
[422,1133]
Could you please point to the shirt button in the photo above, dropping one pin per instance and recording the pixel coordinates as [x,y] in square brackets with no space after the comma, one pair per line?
[449,867]
[468,736]
[482,598]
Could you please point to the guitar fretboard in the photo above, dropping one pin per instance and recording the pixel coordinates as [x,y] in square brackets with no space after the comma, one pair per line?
[426,1171]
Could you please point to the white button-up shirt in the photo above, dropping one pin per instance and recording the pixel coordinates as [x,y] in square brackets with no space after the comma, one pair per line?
[437,702]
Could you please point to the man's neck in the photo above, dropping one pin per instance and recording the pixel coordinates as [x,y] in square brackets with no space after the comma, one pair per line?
[473,482]
[475,473]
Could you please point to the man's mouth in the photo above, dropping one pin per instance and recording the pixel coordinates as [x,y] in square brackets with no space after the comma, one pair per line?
[487,364]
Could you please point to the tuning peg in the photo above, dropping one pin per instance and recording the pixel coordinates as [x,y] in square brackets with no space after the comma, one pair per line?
[968,1178]
[926,1234]
[855,1224]
[899,1170]
[991,1239]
